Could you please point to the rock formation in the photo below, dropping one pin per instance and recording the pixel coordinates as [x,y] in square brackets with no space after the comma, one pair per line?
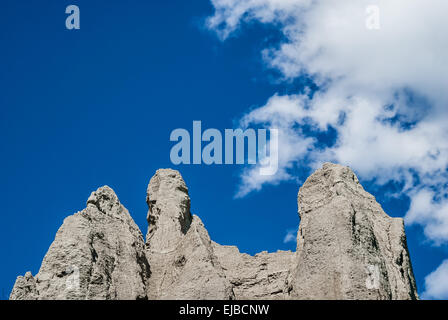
[262,276]
[98,253]
[179,249]
[347,248]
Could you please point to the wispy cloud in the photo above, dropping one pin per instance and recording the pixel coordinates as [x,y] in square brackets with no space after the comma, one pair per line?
[291,236]
[436,283]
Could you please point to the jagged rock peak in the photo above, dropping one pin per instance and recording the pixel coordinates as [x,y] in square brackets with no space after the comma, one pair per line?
[163,183]
[179,249]
[105,200]
[347,246]
[98,253]
[332,179]
[24,288]
[169,216]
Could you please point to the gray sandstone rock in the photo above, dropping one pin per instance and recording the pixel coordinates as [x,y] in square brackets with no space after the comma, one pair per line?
[24,288]
[179,249]
[347,248]
[98,253]
[262,276]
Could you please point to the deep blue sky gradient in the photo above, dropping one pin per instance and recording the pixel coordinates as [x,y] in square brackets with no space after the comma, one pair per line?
[92,107]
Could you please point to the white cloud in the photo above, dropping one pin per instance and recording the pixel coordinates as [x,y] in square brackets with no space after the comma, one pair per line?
[383,91]
[278,113]
[431,211]
[230,13]
[436,283]
[291,236]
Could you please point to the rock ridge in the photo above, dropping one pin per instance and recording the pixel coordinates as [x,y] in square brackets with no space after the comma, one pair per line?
[347,248]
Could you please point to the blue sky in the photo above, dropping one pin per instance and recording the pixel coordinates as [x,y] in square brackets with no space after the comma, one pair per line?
[85,108]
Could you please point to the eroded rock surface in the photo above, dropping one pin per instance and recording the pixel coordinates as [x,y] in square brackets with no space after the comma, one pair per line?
[25,288]
[347,248]
[179,249]
[262,276]
[98,253]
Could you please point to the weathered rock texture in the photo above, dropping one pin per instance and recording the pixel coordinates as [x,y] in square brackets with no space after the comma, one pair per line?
[98,253]
[179,249]
[262,276]
[347,248]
